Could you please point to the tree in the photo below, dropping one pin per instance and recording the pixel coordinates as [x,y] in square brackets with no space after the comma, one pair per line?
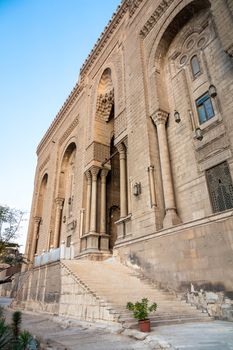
[10,220]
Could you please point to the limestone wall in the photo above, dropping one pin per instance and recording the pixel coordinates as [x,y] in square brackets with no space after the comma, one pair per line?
[201,254]
[55,290]
[38,289]
[77,301]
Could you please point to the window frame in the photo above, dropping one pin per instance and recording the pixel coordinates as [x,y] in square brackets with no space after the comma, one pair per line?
[195,75]
[201,102]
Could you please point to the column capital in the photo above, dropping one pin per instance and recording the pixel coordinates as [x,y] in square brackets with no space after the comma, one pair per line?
[59,201]
[88,176]
[37,219]
[159,117]
[121,148]
[151,168]
[104,173]
[94,172]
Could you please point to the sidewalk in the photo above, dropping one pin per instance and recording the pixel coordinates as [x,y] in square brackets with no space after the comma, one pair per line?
[59,334]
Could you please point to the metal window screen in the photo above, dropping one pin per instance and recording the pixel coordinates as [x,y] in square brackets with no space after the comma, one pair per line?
[220,187]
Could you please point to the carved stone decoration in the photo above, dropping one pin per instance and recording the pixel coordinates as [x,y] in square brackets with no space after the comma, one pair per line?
[157,14]
[133,6]
[44,163]
[214,148]
[159,117]
[69,130]
[98,152]
[104,105]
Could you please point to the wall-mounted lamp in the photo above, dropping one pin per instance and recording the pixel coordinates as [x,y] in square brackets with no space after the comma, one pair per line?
[177,117]
[137,189]
[73,224]
[212,91]
[199,135]
[64,219]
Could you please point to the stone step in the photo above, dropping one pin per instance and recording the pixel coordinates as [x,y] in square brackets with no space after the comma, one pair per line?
[114,284]
[167,322]
[129,318]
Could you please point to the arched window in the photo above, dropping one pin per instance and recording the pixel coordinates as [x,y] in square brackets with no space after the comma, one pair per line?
[196,70]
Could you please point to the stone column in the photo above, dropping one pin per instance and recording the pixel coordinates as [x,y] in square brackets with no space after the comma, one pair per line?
[82,211]
[171,218]
[88,204]
[152,186]
[36,228]
[104,173]
[123,180]
[94,172]
[58,216]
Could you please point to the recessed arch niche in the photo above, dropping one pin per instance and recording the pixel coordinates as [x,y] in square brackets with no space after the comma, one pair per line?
[66,189]
[40,210]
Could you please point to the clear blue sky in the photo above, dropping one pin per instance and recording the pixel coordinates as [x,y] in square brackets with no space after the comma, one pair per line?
[43,44]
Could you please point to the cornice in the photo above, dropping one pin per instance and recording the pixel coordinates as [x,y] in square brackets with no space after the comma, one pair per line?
[154,18]
[105,36]
[65,107]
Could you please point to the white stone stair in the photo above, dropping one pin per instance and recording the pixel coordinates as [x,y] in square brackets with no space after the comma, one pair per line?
[114,284]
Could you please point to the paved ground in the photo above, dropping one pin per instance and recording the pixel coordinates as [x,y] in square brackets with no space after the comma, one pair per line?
[64,335]
[60,334]
[217,335]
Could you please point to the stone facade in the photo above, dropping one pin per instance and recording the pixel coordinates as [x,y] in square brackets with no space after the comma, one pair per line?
[54,289]
[138,162]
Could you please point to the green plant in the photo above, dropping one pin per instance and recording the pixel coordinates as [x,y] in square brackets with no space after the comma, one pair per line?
[12,338]
[16,323]
[141,309]
[27,342]
[5,335]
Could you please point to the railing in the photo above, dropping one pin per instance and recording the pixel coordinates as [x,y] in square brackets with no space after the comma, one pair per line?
[53,255]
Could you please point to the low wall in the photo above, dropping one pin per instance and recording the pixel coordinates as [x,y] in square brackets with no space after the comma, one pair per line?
[78,301]
[38,289]
[55,290]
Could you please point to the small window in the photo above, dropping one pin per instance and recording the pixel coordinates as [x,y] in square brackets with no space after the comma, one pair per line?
[68,241]
[204,108]
[196,70]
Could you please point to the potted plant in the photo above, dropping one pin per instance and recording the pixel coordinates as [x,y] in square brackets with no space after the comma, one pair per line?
[141,311]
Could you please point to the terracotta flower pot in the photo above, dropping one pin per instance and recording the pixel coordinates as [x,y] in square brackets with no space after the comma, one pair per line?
[144,325]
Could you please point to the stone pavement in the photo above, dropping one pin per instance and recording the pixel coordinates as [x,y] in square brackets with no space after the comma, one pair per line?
[61,334]
[216,335]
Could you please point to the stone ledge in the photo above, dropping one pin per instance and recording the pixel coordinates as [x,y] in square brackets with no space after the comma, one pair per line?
[178,228]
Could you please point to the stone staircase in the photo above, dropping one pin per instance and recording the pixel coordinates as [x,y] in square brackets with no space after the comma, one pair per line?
[114,284]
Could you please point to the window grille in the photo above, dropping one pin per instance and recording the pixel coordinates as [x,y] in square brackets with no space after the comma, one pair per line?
[220,187]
